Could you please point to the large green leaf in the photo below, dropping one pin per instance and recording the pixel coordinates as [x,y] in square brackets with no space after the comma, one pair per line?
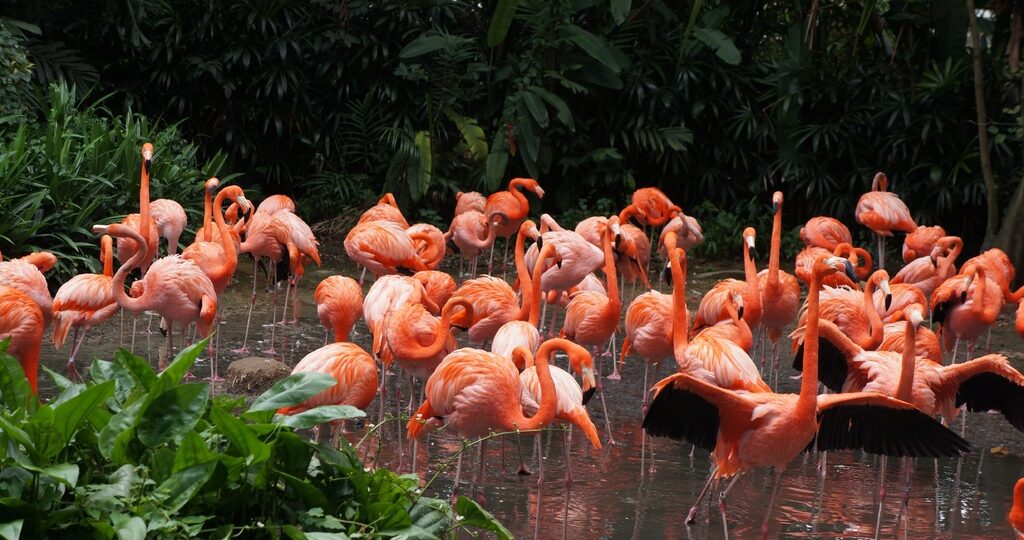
[138,367]
[620,9]
[473,515]
[319,415]
[13,384]
[501,20]
[181,364]
[562,111]
[720,43]
[177,490]
[472,133]
[65,473]
[68,416]
[595,46]
[132,528]
[424,44]
[11,530]
[536,106]
[240,436]
[172,414]
[119,432]
[292,390]
[497,162]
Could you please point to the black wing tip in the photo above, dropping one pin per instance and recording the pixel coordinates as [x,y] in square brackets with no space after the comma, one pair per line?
[989,391]
[887,431]
[682,415]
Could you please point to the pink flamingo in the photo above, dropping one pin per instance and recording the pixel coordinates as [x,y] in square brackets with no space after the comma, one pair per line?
[470,200]
[339,304]
[439,286]
[884,213]
[921,241]
[143,221]
[26,275]
[780,292]
[825,232]
[170,220]
[513,204]
[386,209]
[21,320]
[85,301]
[713,305]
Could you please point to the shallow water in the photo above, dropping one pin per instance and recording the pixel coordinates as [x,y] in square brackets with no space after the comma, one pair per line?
[615,492]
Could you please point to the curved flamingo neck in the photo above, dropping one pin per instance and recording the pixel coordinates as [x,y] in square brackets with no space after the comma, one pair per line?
[746,337]
[444,328]
[131,304]
[548,398]
[145,219]
[981,280]
[107,255]
[226,243]
[535,283]
[808,399]
[904,387]
[875,328]
[514,188]
[614,301]
[680,315]
[752,297]
[776,247]
[207,216]
[525,280]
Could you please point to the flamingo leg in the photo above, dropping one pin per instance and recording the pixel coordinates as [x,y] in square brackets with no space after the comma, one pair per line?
[566,439]
[523,469]
[273,317]
[284,307]
[504,259]
[956,345]
[149,325]
[614,375]
[643,389]
[252,302]
[490,261]
[881,496]
[721,504]
[77,342]
[604,407]
[692,515]
[120,335]
[362,277]
[881,251]
[771,502]
[478,486]
[458,473]
[170,340]
[135,322]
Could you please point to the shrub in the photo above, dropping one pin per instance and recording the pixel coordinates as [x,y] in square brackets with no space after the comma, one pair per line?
[137,454]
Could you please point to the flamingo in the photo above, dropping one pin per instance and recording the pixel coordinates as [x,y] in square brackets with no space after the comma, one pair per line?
[825,232]
[928,272]
[648,331]
[1019,322]
[386,209]
[712,307]
[143,221]
[884,213]
[472,232]
[417,340]
[688,234]
[429,243]
[780,292]
[273,203]
[965,306]
[388,294]
[516,332]
[1016,516]
[339,304]
[632,248]
[383,247]
[734,328]
[299,244]
[477,392]
[260,242]
[170,220]
[576,257]
[218,260]
[438,285]
[999,268]
[750,430]
[901,296]
[85,301]
[175,288]
[513,204]
[921,241]
[21,320]
[470,200]
[592,318]
[926,343]
[805,259]
[650,206]
[26,275]
[854,311]
[351,366]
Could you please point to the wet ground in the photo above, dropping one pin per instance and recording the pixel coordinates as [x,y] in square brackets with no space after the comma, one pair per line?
[618,491]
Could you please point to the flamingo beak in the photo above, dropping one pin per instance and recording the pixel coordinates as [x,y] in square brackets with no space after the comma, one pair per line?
[884,285]
[916,318]
[147,160]
[100,229]
[539,191]
[540,241]
[750,247]
[739,312]
[246,204]
[589,384]
[775,207]
[667,274]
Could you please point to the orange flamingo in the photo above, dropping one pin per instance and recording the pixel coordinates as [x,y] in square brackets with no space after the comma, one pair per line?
[651,207]
[576,257]
[632,248]
[170,220]
[273,203]
[513,204]
[351,366]
[921,241]
[825,232]
[1019,323]
[901,297]
[999,269]
[854,311]
[780,292]
[927,273]
[734,328]
[749,430]
[712,307]
[688,234]
[469,200]
[218,260]
[339,304]
[387,294]
[26,275]
[966,306]
[648,331]
[858,257]
[299,245]
[1016,516]
[143,221]
[477,392]
[472,232]
[517,332]
[417,340]
[926,343]
[175,288]
[383,247]
[386,209]
[260,242]
[85,301]
[884,213]
[438,285]
[21,320]
[428,241]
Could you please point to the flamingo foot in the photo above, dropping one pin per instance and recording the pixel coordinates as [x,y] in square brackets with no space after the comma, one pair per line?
[241,350]
[214,378]
[73,372]
[614,375]
[524,470]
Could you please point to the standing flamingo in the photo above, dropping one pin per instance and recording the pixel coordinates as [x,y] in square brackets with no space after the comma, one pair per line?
[965,306]
[438,285]
[805,259]
[513,204]
[688,233]
[477,392]
[648,332]
[300,246]
[780,292]
[170,220]
[854,312]
[999,269]
[173,287]
[472,232]
[884,213]
[928,272]
[21,320]
[651,207]
[339,304]
[1019,322]
[218,260]
[26,275]
[920,241]
[273,203]
[825,232]
[746,431]
[383,247]
[712,307]
[351,366]
[417,340]
[143,221]
[260,242]
[469,200]
[386,209]
[429,243]
[85,301]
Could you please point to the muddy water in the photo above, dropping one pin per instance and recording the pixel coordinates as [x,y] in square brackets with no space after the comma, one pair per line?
[618,491]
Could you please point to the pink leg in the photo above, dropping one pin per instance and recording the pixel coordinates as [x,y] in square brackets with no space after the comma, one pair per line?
[76,344]
[721,504]
[252,302]
[273,317]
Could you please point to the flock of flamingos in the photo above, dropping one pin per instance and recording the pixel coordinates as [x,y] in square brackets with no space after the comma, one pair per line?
[860,333]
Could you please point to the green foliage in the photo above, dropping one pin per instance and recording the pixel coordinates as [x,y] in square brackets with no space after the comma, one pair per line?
[15,75]
[81,167]
[137,454]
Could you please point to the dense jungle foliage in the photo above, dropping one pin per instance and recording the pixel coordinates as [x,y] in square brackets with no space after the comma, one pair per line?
[718,103]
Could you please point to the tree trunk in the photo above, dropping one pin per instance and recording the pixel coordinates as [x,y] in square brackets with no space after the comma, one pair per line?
[992,191]
[1009,239]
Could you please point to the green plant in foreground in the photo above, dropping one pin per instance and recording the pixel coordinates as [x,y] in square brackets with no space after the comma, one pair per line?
[140,454]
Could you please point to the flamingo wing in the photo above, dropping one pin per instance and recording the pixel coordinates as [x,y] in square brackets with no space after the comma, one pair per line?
[882,425]
[987,383]
[686,408]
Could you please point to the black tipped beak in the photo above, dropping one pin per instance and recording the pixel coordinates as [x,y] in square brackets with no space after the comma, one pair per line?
[588,394]
[775,207]
[559,263]
[963,297]
[934,261]
[618,239]
[148,164]
[888,302]
[540,242]
[753,255]
[450,244]
[849,272]
[739,312]
[666,275]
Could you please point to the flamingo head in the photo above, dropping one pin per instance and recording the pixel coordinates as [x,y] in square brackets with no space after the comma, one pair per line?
[880,182]
[211,185]
[915,314]
[830,264]
[776,202]
[147,157]
[884,285]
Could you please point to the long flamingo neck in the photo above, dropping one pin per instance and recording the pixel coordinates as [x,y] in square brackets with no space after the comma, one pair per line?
[809,382]
[548,398]
[535,282]
[526,306]
[134,305]
[905,386]
[145,219]
[515,187]
[874,320]
[979,289]
[614,301]
[752,298]
[207,216]
[680,315]
[776,247]
[225,232]
[107,255]
[444,328]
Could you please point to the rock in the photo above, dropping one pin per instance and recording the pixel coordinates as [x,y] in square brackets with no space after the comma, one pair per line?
[1000,451]
[254,375]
